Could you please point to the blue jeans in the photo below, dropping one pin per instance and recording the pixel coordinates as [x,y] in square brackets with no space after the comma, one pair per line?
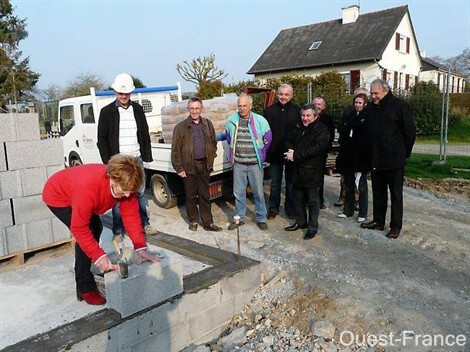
[118,226]
[242,173]
[275,191]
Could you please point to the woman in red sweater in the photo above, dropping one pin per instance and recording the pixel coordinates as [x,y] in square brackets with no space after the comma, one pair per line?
[78,195]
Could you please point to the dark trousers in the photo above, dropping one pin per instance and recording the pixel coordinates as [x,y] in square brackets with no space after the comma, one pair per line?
[307,197]
[84,279]
[393,180]
[196,188]
[320,192]
[276,182]
[350,186]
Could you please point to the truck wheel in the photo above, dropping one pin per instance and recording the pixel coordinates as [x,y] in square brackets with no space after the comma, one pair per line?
[74,160]
[161,193]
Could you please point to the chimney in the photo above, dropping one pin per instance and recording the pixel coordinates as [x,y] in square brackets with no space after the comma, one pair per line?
[350,14]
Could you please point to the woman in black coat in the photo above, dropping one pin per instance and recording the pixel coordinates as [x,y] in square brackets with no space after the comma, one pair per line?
[354,158]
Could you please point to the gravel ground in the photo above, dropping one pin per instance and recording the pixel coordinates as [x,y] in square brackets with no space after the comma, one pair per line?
[331,292]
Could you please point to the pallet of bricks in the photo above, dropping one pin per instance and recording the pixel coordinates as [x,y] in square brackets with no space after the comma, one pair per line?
[27,226]
[216,109]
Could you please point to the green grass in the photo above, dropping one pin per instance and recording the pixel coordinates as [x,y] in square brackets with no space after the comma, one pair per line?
[457,133]
[421,166]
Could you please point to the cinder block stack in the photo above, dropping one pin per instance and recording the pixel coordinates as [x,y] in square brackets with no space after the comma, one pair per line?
[216,109]
[26,162]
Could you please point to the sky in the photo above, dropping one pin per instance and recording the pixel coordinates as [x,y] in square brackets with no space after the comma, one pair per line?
[149,38]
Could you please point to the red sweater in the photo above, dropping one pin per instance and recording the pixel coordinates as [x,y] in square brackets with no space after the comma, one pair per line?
[87,190]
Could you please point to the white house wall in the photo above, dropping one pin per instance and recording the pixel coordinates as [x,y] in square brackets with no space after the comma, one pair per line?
[396,61]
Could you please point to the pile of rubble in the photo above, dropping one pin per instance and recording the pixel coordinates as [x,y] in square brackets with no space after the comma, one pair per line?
[276,320]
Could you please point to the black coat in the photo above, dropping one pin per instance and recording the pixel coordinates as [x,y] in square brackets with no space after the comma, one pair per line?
[392,132]
[326,119]
[108,132]
[282,120]
[354,154]
[309,144]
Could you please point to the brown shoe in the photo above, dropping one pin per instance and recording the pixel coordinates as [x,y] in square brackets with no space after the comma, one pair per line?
[272,215]
[393,233]
[322,206]
[372,225]
[193,226]
[212,227]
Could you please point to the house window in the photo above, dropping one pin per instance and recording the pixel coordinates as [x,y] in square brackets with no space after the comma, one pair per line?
[402,43]
[347,80]
[315,45]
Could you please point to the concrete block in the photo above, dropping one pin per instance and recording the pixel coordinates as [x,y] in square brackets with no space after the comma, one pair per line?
[60,232]
[3,243]
[147,285]
[29,209]
[7,132]
[29,154]
[19,127]
[51,170]
[10,184]
[39,233]
[6,215]
[3,159]
[33,180]
[245,279]
[27,127]
[16,238]
[192,304]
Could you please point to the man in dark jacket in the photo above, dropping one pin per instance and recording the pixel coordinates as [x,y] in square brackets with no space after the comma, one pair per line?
[282,118]
[306,148]
[123,129]
[392,133]
[193,152]
[325,119]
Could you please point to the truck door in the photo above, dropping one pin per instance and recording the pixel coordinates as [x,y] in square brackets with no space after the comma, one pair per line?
[88,138]
[69,133]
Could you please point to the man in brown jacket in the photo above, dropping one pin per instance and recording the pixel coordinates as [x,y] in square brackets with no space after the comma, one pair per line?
[192,155]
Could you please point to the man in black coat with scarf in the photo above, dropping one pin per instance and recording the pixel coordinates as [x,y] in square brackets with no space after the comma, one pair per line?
[392,133]
[282,117]
[306,149]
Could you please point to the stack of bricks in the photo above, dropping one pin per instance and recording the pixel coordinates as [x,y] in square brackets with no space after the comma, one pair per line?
[216,109]
[26,162]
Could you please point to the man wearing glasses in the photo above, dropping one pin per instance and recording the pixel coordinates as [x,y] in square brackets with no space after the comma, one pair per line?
[123,129]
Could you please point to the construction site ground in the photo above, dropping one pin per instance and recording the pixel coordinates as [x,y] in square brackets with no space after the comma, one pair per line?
[355,279]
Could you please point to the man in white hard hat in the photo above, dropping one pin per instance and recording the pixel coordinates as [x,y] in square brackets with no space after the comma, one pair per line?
[123,129]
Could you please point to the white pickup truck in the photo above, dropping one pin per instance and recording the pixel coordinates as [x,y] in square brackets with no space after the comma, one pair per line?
[78,124]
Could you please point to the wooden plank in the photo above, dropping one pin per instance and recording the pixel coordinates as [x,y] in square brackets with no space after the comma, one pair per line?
[36,255]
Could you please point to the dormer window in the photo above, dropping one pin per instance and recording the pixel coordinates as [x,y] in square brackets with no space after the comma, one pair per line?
[315,45]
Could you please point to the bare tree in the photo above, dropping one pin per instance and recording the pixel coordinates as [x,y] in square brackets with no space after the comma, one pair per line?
[200,70]
[82,83]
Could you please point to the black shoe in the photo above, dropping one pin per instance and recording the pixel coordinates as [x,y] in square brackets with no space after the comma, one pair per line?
[233,225]
[372,225]
[295,227]
[339,203]
[193,226]
[262,225]
[310,234]
[393,233]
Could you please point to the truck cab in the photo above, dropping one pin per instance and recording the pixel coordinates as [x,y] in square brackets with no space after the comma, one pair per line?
[78,119]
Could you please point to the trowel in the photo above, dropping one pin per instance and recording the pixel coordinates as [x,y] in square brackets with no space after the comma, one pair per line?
[123,265]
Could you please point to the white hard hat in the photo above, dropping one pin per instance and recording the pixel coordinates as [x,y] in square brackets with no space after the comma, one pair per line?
[123,83]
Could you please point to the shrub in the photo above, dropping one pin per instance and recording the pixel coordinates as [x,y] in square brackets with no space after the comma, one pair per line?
[425,102]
